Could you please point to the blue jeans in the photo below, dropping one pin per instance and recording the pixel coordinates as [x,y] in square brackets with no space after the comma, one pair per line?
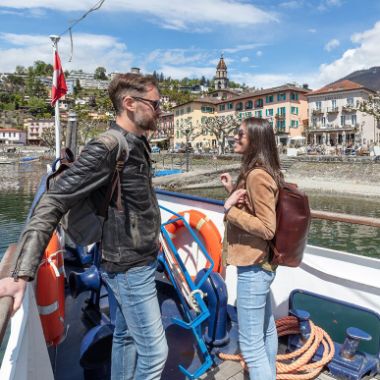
[257,329]
[139,347]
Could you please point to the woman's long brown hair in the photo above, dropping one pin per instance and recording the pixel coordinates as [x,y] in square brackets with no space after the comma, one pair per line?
[262,150]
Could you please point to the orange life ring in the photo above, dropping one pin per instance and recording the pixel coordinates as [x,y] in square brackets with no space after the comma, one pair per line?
[50,292]
[207,229]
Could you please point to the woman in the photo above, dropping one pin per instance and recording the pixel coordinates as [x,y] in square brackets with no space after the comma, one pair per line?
[251,224]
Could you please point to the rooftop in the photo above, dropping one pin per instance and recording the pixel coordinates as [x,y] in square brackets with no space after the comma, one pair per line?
[342,85]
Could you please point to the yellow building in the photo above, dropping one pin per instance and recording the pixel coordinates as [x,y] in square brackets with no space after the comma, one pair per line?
[285,107]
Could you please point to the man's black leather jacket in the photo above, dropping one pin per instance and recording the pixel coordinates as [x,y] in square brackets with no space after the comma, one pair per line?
[129,236]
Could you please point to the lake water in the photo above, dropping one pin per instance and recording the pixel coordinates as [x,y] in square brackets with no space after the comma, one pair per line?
[18,184]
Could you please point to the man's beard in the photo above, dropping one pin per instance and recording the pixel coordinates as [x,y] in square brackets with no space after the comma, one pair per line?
[146,123]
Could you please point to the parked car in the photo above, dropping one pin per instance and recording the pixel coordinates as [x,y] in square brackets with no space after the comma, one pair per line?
[155,149]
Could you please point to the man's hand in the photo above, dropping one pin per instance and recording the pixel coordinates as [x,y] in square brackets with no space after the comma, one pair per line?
[12,288]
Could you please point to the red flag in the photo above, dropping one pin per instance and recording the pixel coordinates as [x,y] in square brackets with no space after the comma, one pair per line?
[59,87]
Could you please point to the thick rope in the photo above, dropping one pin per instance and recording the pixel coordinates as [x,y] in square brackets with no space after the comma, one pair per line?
[296,365]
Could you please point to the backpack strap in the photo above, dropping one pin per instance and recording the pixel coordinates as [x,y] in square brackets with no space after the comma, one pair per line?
[121,158]
[272,249]
[123,149]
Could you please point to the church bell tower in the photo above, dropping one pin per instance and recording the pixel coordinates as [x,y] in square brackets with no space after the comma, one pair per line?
[221,80]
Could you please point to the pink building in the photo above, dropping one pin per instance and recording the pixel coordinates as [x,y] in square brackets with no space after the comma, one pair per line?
[35,128]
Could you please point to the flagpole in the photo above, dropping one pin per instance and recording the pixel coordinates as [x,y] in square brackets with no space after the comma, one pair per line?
[57,123]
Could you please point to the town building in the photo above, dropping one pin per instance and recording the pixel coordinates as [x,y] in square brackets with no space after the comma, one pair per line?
[285,108]
[164,135]
[334,118]
[35,129]
[10,136]
[86,80]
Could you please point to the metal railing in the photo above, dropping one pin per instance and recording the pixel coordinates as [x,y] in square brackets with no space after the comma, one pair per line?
[8,260]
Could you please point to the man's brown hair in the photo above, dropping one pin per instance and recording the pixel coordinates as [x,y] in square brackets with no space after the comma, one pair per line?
[128,84]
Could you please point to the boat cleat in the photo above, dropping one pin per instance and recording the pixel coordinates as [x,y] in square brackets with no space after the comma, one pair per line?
[348,362]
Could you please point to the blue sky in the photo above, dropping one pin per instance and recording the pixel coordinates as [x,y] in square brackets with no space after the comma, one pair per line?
[265,42]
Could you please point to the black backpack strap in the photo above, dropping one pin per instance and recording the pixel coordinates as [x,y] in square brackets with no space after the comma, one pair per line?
[115,187]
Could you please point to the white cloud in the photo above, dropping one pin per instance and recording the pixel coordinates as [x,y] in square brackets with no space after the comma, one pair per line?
[239,48]
[259,53]
[177,72]
[326,4]
[176,56]
[332,44]
[267,80]
[262,80]
[90,52]
[244,59]
[171,14]
[292,4]
[366,55]
[312,30]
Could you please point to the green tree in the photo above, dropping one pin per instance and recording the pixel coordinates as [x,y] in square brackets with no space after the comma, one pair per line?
[14,83]
[77,88]
[20,70]
[39,108]
[40,68]
[221,127]
[100,73]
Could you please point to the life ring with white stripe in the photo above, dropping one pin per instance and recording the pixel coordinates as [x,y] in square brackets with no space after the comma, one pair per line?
[208,231]
[50,292]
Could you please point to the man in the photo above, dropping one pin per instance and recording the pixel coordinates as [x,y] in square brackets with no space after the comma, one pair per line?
[130,237]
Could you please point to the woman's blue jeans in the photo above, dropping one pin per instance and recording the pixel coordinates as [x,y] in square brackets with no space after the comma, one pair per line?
[139,347]
[257,329]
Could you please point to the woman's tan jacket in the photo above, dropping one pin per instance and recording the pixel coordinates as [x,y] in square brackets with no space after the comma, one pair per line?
[251,226]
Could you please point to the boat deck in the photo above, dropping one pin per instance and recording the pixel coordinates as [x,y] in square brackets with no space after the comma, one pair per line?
[65,358]
[230,370]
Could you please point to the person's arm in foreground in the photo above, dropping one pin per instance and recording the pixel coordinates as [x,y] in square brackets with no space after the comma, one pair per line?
[89,172]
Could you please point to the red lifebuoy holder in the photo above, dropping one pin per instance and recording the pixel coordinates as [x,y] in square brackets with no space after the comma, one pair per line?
[207,230]
[50,292]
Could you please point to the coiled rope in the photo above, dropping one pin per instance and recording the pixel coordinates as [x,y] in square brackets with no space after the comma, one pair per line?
[296,365]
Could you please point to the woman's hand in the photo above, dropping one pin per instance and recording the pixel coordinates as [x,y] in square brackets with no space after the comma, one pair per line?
[237,197]
[226,180]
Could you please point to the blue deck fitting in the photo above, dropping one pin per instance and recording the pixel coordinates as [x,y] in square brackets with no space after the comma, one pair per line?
[199,312]
[350,363]
[347,363]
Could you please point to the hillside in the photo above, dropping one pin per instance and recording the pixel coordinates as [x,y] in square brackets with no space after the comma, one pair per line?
[369,78]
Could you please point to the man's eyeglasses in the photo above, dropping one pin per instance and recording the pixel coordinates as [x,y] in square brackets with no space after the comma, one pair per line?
[155,103]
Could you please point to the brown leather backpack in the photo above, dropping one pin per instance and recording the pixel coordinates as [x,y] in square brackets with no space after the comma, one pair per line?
[292,226]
